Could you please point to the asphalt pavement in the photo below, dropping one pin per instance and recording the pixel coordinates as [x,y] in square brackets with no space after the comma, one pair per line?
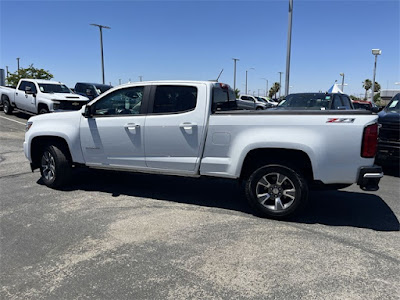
[114,235]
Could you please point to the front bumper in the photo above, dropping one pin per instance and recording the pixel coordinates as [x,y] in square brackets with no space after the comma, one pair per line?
[369,177]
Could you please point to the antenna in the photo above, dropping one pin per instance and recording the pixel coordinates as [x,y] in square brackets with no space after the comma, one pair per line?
[220,74]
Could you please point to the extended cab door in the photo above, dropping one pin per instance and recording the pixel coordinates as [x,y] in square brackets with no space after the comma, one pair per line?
[175,127]
[113,136]
[23,100]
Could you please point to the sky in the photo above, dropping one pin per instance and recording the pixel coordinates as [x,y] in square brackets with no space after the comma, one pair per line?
[195,40]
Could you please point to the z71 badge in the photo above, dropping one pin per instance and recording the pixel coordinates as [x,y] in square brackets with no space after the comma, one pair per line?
[340,120]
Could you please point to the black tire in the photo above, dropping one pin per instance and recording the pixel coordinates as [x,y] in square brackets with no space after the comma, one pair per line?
[259,108]
[55,167]
[282,191]
[43,110]
[7,108]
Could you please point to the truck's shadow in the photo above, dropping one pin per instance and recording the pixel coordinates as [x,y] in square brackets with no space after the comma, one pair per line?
[333,208]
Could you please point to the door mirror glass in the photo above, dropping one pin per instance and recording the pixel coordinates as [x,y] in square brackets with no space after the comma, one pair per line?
[87,113]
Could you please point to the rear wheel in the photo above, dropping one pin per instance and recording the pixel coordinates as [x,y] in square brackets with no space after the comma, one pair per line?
[7,108]
[276,191]
[55,167]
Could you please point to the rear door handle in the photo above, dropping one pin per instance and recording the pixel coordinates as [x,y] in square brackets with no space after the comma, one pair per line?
[187,125]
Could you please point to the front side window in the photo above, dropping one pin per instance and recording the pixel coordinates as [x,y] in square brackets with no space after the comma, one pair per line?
[32,86]
[127,101]
[174,99]
[23,85]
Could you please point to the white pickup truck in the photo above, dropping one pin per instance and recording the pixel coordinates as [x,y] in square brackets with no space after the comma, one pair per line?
[191,128]
[40,96]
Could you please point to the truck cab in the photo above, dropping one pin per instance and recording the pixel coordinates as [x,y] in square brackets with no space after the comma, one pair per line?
[91,90]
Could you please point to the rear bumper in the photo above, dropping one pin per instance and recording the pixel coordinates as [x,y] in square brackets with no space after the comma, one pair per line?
[369,177]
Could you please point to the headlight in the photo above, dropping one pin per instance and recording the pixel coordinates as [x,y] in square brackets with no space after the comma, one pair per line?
[56,105]
[28,126]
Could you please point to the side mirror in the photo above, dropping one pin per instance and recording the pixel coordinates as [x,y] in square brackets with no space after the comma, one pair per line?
[28,91]
[87,113]
[375,109]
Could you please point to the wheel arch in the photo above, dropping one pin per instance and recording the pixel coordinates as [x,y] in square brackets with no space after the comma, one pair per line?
[257,158]
[39,143]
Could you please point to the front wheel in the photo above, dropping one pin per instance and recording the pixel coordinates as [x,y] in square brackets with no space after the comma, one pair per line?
[276,191]
[43,110]
[55,167]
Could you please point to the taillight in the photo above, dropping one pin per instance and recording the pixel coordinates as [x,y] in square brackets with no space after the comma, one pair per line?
[370,141]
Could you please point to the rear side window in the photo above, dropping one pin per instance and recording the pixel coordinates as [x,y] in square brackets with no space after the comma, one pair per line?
[174,99]
[336,102]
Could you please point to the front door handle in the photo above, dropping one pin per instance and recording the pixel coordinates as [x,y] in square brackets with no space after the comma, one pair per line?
[187,125]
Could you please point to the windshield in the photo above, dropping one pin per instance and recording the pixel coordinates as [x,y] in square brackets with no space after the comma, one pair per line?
[54,88]
[262,100]
[317,101]
[394,105]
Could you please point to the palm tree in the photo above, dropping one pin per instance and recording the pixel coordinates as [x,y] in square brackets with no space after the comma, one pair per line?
[367,84]
[377,87]
[237,93]
[274,89]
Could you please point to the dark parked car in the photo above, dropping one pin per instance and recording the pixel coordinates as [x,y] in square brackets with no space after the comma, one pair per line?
[316,101]
[389,133]
[91,90]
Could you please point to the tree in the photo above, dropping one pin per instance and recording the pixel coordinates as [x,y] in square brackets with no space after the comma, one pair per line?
[237,93]
[30,72]
[377,87]
[274,89]
[367,84]
[352,97]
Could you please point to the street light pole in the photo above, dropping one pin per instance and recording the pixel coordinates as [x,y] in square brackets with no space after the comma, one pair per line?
[246,77]
[342,74]
[289,45]
[18,63]
[375,52]
[280,84]
[266,89]
[234,72]
[101,46]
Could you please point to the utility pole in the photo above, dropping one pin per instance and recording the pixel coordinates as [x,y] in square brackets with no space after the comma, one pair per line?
[140,78]
[266,89]
[101,46]
[289,45]
[120,82]
[18,63]
[280,84]
[234,72]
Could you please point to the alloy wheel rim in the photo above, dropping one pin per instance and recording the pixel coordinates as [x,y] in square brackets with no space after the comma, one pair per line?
[275,192]
[48,166]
